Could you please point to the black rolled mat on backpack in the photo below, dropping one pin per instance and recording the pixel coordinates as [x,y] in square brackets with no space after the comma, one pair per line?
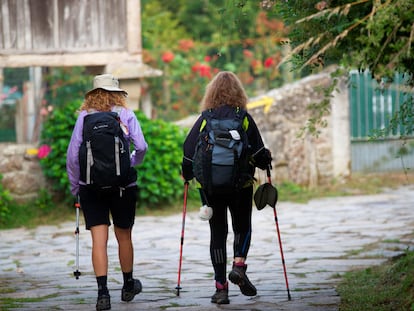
[265,194]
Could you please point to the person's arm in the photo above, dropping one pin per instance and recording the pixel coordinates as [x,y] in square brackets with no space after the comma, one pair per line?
[137,139]
[72,155]
[189,150]
[261,156]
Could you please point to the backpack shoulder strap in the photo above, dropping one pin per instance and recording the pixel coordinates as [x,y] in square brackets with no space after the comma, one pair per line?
[117,109]
[241,115]
[207,115]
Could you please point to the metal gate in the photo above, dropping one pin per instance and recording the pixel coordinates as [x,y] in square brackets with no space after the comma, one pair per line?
[372,106]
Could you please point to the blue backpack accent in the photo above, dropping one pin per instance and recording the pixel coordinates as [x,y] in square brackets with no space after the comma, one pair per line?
[220,162]
[104,156]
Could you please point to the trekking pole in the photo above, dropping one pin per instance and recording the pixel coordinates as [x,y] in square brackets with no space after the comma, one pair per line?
[77,273]
[182,237]
[278,235]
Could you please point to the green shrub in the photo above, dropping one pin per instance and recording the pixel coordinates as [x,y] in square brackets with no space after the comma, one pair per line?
[159,175]
[6,204]
[56,133]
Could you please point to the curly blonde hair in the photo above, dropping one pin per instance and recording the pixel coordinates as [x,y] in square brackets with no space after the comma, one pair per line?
[225,89]
[103,100]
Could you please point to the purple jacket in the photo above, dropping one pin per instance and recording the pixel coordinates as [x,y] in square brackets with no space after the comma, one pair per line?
[135,136]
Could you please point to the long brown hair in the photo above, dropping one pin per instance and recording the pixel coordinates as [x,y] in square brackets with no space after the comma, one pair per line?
[225,89]
[103,100]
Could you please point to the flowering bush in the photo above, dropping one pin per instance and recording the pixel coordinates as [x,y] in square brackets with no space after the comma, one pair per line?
[189,65]
[167,57]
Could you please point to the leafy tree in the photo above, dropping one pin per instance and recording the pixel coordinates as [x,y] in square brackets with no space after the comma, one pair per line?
[359,34]
[66,84]
[192,40]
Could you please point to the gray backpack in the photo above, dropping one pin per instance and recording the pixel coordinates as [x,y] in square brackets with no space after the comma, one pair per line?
[220,162]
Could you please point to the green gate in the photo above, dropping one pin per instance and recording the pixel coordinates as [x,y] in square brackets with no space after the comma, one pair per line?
[372,106]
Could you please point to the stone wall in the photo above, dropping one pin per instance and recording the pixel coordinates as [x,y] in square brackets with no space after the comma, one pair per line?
[308,160]
[22,174]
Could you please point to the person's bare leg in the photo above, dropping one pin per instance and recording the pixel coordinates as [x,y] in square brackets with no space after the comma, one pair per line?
[100,265]
[131,286]
[125,249]
[99,249]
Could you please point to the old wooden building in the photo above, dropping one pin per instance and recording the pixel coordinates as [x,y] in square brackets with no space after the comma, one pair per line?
[104,36]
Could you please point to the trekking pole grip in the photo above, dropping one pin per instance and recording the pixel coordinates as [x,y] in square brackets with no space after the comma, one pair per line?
[268,173]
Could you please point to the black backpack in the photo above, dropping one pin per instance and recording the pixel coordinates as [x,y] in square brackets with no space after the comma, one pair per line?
[220,162]
[104,156]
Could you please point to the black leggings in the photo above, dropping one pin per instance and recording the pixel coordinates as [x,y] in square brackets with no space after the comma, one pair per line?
[240,207]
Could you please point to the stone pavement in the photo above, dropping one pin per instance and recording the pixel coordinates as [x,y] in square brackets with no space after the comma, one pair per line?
[321,240]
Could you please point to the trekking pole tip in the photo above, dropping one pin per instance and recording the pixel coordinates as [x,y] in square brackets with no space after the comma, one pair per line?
[76,274]
[178,290]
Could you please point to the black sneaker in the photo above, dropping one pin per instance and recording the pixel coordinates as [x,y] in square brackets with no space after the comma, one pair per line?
[129,293]
[238,276]
[103,302]
[221,296]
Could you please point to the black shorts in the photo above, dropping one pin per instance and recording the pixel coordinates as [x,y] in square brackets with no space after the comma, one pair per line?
[97,205]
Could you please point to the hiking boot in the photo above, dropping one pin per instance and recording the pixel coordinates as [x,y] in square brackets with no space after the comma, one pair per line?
[238,276]
[221,296]
[129,293]
[103,302]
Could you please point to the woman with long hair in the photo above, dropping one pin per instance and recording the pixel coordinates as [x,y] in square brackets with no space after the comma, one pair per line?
[225,97]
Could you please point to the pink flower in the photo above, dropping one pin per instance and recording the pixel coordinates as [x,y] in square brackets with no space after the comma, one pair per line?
[44,151]
[43,111]
[207,58]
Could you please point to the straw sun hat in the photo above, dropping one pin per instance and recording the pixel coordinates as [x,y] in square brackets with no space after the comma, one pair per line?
[106,82]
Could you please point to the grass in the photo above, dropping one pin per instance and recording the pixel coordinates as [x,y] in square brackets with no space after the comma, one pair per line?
[387,287]
[358,184]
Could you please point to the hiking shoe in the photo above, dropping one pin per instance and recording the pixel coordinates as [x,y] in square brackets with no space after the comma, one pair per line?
[238,276]
[129,293]
[103,302]
[221,296]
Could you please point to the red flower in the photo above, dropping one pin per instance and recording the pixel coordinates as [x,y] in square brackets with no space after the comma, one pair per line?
[207,58]
[269,62]
[167,57]
[247,53]
[322,5]
[185,45]
[176,106]
[196,67]
[205,71]
[255,63]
